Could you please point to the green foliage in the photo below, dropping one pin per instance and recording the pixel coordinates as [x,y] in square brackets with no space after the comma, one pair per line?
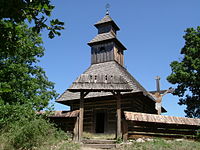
[30,134]
[22,81]
[24,87]
[10,114]
[198,135]
[36,12]
[186,74]
[22,128]
[119,140]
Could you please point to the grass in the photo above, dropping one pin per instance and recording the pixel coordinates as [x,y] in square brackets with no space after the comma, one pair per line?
[161,144]
[62,145]
[104,136]
[52,144]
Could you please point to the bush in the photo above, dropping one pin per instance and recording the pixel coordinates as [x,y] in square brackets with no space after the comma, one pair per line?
[22,128]
[198,135]
[31,134]
[10,114]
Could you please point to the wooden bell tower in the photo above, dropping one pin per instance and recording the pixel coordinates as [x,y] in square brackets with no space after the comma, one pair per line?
[105,46]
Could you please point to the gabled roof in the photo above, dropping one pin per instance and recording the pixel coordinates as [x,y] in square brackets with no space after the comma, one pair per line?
[106,68]
[107,19]
[106,37]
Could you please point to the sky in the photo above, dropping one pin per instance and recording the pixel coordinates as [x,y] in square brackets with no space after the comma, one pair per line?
[151,30]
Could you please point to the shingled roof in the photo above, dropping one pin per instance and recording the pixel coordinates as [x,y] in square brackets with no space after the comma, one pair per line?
[106,37]
[103,37]
[100,82]
[106,68]
[106,19]
[142,117]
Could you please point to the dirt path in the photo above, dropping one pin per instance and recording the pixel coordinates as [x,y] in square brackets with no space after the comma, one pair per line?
[89,148]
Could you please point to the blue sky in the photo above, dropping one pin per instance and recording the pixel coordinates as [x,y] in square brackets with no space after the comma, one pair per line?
[151,30]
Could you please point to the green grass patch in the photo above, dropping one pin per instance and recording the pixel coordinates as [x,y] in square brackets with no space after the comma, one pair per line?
[161,144]
[87,135]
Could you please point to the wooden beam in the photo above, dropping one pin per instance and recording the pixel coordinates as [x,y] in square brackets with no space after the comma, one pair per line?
[76,132]
[119,134]
[81,116]
[124,130]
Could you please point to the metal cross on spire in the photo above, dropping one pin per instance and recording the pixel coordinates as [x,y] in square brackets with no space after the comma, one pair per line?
[157,83]
[107,8]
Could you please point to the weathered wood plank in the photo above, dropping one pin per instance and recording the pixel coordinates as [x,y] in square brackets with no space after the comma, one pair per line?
[118,115]
[124,130]
[75,131]
[81,115]
[136,135]
[162,125]
[163,130]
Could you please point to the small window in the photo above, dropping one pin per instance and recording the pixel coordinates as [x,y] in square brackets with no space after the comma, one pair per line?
[106,77]
[95,79]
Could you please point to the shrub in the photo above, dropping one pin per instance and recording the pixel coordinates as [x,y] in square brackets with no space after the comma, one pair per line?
[10,114]
[31,134]
[198,135]
[22,128]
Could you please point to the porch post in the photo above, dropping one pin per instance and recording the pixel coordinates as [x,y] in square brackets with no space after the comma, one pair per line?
[81,116]
[119,134]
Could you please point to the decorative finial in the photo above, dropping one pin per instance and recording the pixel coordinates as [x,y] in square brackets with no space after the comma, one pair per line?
[107,8]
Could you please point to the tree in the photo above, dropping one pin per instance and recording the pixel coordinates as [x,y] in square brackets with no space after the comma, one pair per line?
[186,73]
[24,87]
[22,81]
[36,12]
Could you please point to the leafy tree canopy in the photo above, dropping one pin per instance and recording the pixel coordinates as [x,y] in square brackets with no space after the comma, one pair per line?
[36,12]
[22,81]
[186,73]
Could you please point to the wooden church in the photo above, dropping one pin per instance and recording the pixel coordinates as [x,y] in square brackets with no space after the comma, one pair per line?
[106,98]
[100,95]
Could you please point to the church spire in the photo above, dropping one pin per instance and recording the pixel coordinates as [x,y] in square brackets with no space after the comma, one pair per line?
[105,46]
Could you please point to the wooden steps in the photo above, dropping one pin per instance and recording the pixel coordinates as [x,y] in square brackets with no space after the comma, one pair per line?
[99,144]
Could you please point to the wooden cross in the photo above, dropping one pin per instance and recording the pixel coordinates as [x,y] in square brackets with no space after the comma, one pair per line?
[158,95]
